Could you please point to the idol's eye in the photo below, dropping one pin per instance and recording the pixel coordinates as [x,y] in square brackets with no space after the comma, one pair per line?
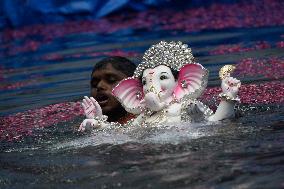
[143,81]
[163,77]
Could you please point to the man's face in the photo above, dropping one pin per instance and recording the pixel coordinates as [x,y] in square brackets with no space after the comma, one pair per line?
[102,83]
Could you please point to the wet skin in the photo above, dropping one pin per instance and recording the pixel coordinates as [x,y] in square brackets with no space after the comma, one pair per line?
[102,83]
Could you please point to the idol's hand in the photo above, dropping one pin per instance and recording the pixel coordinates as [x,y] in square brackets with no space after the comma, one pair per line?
[194,109]
[230,86]
[91,108]
[198,110]
[88,123]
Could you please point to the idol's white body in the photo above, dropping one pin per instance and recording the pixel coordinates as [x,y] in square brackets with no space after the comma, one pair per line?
[160,97]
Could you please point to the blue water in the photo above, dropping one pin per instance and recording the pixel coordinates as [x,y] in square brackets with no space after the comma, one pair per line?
[246,152]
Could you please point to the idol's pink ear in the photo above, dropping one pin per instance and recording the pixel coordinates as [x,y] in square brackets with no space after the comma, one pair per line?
[129,93]
[192,80]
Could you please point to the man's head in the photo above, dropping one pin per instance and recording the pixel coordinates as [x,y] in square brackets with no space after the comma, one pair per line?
[106,74]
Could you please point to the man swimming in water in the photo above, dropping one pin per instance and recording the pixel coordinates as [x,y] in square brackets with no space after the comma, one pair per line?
[106,74]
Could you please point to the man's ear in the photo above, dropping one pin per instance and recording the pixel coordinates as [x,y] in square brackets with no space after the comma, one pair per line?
[129,93]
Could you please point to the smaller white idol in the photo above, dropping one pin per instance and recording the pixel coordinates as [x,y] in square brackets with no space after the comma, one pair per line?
[165,88]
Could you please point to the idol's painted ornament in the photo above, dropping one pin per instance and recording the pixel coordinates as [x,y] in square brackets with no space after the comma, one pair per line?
[226,71]
[172,54]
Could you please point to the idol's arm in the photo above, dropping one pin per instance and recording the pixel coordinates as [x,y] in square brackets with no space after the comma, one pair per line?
[138,120]
[229,97]
[225,110]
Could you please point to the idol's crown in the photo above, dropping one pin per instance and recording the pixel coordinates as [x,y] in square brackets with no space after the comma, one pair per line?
[172,54]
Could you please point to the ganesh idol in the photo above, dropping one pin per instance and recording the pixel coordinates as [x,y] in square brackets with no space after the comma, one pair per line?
[165,89]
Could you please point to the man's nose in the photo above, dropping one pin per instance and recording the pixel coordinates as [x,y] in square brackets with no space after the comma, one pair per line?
[102,85]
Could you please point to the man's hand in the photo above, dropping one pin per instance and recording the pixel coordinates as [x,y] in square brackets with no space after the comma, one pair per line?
[91,108]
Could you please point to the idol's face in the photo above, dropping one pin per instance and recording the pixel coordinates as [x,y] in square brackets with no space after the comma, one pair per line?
[159,80]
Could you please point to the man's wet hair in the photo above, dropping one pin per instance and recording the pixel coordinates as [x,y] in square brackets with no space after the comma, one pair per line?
[175,74]
[121,64]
